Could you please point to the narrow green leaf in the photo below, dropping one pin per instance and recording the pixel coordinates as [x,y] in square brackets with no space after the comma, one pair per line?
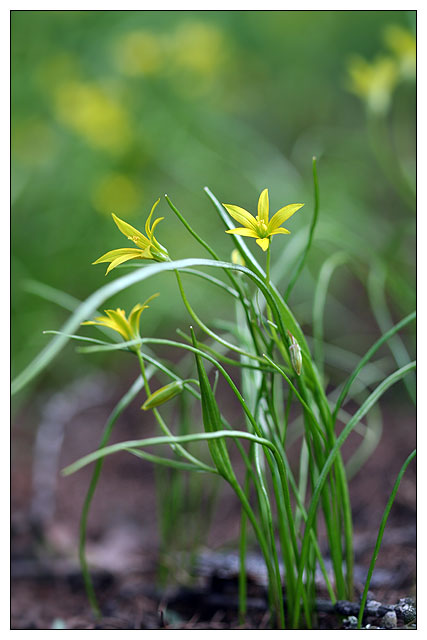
[370,401]
[89,306]
[368,355]
[310,234]
[380,536]
[212,419]
[158,440]
[326,272]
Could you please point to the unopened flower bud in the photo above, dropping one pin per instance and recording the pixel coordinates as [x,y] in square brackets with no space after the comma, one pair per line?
[163,394]
[295,354]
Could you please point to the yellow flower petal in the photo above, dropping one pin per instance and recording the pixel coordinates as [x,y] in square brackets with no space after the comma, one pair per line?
[154,225]
[263,206]
[124,258]
[241,215]
[135,314]
[282,215]
[102,321]
[155,295]
[279,230]
[243,231]
[263,243]
[116,319]
[149,231]
[121,324]
[131,233]
[116,253]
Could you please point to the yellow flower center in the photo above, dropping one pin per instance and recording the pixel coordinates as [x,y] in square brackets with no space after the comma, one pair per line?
[262,228]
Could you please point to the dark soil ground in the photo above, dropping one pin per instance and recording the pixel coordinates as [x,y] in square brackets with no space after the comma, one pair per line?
[123,548]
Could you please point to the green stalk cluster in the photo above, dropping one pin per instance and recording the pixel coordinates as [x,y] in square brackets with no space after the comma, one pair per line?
[274,377]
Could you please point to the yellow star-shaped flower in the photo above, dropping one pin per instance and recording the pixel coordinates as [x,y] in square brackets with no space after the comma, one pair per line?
[149,248]
[116,319]
[260,227]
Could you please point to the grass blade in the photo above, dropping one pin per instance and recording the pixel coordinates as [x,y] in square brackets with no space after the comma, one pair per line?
[310,234]
[380,536]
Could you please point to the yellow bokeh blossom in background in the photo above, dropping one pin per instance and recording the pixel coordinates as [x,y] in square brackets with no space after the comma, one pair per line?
[139,53]
[116,191]
[373,82]
[92,112]
[402,43]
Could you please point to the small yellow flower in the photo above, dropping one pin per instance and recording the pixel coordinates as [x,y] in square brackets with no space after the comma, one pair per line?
[260,227]
[149,248]
[402,43]
[373,82]
[116,319]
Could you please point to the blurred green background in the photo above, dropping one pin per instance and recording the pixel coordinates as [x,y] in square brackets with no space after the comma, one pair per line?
[112,109]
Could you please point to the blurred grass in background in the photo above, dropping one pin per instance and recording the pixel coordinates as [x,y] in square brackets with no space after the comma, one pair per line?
[112,109]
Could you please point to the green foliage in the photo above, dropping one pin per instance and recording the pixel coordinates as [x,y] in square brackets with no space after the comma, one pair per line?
[109,106]
[275,369]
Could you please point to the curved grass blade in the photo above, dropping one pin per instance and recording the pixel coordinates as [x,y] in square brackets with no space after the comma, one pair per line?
[165,462]
[52,294]
[371,400]
[325,276]
[377,297]
[310,234]
[89,306]
[213,280]
[380,536]
[159,440]
[118,409]
[368,355]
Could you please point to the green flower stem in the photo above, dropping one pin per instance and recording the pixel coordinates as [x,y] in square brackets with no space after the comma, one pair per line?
[243,545]
[282,471]
[229,273]
[269,313]
[118,409]
[275,585]
[267,519]
[267,267]
[300,506]
[330,503]
[178,449]
[303,402]
[380,536]
[175,440]
[375,395]
[223,358]
[206,329]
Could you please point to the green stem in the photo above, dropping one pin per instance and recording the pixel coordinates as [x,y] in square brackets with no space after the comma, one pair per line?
[177,448]
[380,536]
[213,253]
[242,558]
[267,266]
[375,395]
[310,235]
[206,329]
[122,404]
[386,158]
